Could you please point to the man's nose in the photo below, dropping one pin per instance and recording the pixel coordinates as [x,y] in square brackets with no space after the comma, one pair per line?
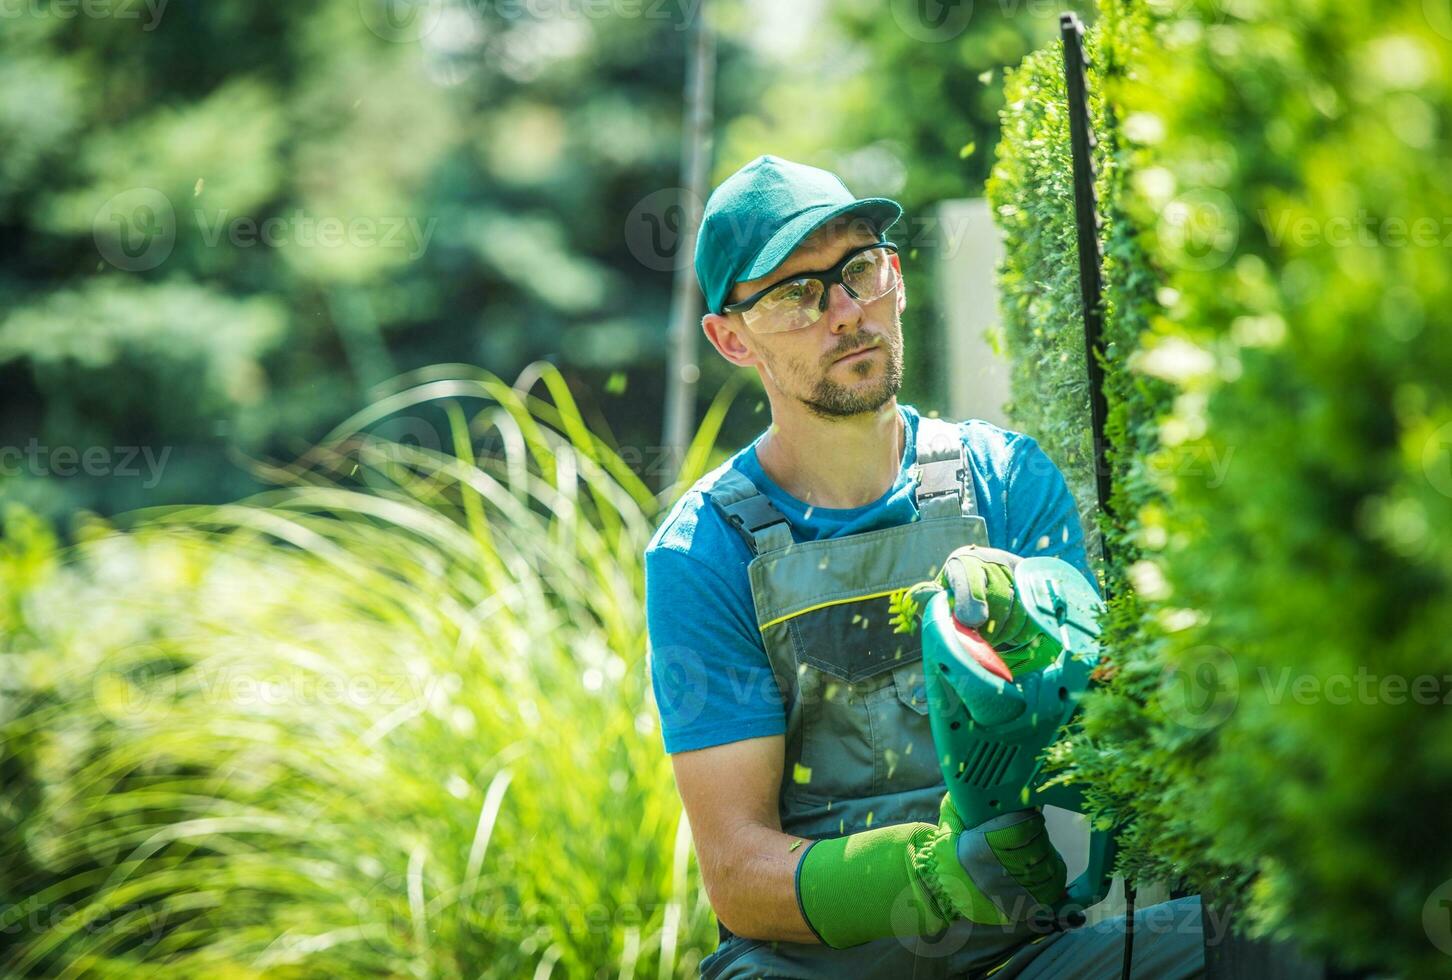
[843,312]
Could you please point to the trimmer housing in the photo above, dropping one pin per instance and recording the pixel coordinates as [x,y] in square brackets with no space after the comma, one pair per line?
[991,729]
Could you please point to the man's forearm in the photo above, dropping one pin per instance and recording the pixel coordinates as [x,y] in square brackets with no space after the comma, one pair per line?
[756,894]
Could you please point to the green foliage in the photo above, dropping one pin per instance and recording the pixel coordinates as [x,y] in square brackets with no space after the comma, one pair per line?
[391,719]
[331,202]
[907,605]
[1279,389]
[1031,191]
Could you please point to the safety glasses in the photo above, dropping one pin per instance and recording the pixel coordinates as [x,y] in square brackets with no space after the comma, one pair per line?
[866,273]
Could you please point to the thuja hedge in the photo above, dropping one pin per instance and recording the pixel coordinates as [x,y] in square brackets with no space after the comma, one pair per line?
[1276,209]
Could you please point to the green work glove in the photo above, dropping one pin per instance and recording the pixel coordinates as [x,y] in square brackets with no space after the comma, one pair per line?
[912,879]
[981,585]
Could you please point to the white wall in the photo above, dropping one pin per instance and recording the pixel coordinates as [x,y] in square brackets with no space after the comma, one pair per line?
[968,246]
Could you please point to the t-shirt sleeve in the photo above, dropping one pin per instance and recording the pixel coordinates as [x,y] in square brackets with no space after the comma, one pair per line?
[712,681]
[1043,518]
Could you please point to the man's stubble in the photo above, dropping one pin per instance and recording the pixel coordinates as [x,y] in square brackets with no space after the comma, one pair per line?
[826,397]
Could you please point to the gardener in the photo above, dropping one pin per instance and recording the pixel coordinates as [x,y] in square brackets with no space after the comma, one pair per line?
[795,716]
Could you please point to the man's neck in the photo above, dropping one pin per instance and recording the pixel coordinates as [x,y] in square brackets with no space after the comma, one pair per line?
[835,463]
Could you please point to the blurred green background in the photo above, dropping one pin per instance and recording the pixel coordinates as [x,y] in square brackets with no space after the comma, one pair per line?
[333,353]
[226,224]
[332,358]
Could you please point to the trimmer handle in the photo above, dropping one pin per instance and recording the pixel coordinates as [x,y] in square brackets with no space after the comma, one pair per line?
[991,729]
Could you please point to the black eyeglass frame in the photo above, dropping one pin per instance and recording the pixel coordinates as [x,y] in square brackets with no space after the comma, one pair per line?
[828,278]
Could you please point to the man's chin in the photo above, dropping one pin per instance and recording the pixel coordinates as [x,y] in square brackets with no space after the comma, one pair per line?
[841,402]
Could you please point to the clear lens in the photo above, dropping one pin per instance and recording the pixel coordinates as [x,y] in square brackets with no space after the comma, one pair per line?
[870,274]
[797,303]
[790,306]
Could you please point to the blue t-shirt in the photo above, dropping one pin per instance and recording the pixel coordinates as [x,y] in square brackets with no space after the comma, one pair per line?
[709,670]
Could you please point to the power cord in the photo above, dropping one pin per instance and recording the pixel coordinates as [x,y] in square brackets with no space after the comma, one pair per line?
[1128,928]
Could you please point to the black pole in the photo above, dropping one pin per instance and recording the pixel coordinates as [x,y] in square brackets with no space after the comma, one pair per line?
[1091,291]
[1086,218]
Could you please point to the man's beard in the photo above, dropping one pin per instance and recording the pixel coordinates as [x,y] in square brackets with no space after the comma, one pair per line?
[829,399]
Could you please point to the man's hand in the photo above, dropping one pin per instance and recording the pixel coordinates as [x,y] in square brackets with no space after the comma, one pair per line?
[1001,872]
[915,878]
[980,584]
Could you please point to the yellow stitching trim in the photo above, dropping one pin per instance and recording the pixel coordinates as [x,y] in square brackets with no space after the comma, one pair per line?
[824,605]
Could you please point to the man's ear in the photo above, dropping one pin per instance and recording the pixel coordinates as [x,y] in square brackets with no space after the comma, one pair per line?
[727,336]
[901,284]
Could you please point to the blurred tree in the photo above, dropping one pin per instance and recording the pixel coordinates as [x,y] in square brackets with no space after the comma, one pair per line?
[224,223]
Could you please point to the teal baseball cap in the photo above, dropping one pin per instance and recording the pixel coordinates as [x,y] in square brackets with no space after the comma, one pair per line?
[761,213]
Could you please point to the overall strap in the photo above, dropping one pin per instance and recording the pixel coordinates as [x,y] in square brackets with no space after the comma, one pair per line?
[746,507]
[944,478]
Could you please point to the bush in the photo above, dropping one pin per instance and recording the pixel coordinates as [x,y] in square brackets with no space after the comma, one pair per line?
[391,719]
[1280,413]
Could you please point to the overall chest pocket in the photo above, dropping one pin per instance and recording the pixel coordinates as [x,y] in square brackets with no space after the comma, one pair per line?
[864,727]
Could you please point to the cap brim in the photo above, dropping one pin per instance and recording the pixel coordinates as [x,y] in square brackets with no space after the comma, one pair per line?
[882,212]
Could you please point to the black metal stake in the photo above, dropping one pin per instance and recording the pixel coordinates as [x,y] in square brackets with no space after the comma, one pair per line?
[1086,218]
[1091,289]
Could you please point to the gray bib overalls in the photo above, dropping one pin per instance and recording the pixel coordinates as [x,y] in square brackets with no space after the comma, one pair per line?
[859,749]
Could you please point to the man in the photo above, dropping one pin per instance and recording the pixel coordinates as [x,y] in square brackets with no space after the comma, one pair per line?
[795,716]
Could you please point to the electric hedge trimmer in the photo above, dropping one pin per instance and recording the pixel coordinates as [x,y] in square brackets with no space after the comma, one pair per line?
[991,727]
